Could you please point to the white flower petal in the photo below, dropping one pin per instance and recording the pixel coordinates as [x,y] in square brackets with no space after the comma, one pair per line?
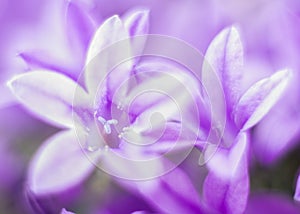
[225,57]
[58,165]
[47,94]
[110,48]
[259,99]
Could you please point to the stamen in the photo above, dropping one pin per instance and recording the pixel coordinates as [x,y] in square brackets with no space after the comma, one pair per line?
[102,120]
[124,130]
[92,148]
[112,122]
[107,128]
[106,124]
[120,106]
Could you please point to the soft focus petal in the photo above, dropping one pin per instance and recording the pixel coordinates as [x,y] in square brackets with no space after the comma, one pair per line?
[36,60]
[274,203]
[80,27]
[172,193]
[127,203]
[58,165]
[41,204]
[64,211]
[260,98]
[297,191]
[277,133]
[224,194]
[111,31]
[140,212]
[179,100]
[225,56]
[47,94]
[99,65]
[228,163]
[136,22]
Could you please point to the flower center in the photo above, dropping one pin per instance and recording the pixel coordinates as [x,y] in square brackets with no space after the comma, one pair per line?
[107,123]
[110,123]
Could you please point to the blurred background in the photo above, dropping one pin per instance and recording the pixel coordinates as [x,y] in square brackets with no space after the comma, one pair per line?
[270,32]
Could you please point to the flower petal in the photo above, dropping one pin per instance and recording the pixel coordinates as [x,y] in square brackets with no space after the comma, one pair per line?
[277,133]
[225,57]
[170,137]
[259,99]
[136,22]
[58,165]
[111,31]
[79,27]
[172,193]
[227,192]
[227,163]
[174,101]
[47,94]
[107,52]
[42,60]
[226,197]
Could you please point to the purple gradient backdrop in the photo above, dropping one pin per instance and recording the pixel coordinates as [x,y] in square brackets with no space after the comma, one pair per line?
[270,32]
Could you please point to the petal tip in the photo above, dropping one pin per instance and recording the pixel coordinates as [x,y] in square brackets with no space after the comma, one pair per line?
[10,83]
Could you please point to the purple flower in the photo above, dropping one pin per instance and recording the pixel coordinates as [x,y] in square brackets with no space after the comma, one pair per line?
[49,95]
[226,187]
[64,46]
[61,163]
[93,110]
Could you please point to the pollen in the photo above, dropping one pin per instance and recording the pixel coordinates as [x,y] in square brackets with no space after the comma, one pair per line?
[107,124]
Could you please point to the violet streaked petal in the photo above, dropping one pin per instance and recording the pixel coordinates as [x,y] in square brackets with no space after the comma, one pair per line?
[47,94]
[79,26]
[152,74]
[227,163]
[103,56]
[172,137]
[226,197]
[227,192]
[58,165]
[136,22]
[172,193]
[155,103]
[112,30]
[257,101]
[42,60]
[297,191]
[225,57]
[277,133]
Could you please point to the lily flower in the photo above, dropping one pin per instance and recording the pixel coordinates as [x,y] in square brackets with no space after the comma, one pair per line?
[94,113]
[226,187]
[49,95]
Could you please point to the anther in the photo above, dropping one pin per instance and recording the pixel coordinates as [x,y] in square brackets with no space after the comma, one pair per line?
[106,124]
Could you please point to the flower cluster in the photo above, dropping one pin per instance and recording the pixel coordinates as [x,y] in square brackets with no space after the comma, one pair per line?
[176,137]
